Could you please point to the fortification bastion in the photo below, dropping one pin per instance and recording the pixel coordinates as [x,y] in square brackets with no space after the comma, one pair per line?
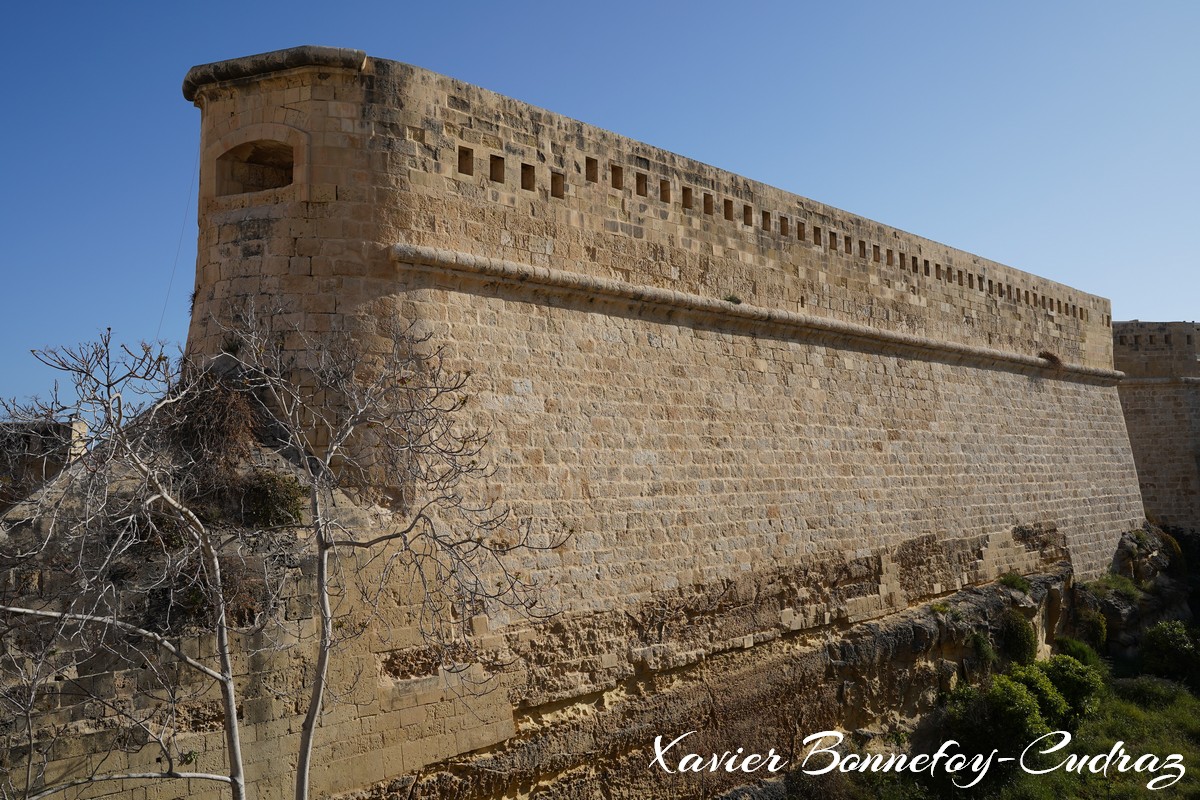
[769,417]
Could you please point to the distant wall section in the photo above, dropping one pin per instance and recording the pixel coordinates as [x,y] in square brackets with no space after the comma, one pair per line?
[1160,397]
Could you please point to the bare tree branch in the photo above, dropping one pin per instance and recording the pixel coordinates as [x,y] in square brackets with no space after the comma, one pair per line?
[161,641]
[127,776]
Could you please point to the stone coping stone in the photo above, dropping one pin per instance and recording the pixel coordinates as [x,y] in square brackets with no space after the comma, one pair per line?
[274,61]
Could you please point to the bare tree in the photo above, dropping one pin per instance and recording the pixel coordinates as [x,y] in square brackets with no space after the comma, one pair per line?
[100,556]
[138,538]
[376,412]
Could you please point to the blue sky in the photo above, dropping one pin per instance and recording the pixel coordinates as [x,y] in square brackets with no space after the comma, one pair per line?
[1059,138]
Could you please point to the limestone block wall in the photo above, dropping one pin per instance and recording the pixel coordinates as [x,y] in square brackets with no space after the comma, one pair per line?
[35,453]
[759,418]
[1160,397]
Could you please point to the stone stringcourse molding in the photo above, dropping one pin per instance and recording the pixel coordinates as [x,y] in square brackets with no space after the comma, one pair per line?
[1187,380]
[794,325]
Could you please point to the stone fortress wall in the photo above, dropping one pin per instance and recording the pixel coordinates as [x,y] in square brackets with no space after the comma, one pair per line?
[1160,396]
[763,420]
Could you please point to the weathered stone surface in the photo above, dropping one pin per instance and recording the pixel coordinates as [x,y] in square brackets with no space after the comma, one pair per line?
[866,678]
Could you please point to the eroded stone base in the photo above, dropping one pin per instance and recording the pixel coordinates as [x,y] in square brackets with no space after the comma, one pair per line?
[871,676]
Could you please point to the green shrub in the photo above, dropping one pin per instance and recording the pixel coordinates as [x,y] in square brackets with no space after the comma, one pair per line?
[1014,581]
[982,647]
[1143,541]
[1177,568]
[1079,684]
[1051,703]
[1018,640]
[1005,713]
[1081,652]
[1092,627]
[1149,692]
[1115,584]
[854,786]
[270,499]
[966,714]
[1169,651]
[939,607]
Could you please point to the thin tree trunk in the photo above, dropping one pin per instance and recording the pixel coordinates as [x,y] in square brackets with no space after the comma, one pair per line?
[308,730]
[233,737]
[30,738]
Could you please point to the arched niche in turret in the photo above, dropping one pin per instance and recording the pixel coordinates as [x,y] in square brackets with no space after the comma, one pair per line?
[256,158]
